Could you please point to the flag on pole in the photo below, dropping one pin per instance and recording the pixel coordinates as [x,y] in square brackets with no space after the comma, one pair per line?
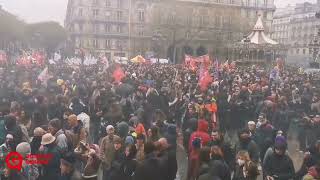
[44,76]
[3,57]
[118,74]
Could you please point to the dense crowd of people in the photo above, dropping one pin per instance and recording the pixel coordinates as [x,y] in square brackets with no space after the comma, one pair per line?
[127,122]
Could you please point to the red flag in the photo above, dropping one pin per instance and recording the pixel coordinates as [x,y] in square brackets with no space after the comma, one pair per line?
[118,74]
[204,80]
[3,57]
[38,58]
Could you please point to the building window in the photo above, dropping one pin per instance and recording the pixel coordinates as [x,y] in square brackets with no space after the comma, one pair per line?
[108,43]
[119,15]
[119,3]
[119,29]
[265,14]
[297,51]
[107,28]
[304,51]
[80,12]
[108,3]
[80,27]
[231,1]
[218,1]
[95,28]
[140,31]
[95,1]
[141,16]
[265,2]
[95,12]
[95,43]
[248,14]
[118,45]
[248,3]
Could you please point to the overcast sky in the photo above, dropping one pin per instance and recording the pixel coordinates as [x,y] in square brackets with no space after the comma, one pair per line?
[54,10]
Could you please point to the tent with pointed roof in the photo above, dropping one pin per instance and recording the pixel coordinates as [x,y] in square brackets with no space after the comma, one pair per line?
[257,36]
[257,46]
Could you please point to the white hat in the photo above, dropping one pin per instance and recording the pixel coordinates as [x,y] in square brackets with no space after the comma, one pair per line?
[47,139]
[9,136]
[109,127]
[23,148]
[251,123]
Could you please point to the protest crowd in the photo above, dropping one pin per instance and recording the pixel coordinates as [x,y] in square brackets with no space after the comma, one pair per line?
[128,122]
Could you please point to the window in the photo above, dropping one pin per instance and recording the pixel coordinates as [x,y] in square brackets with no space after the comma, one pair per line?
[265,14]
[189,20]
[248,14]
[231,1]
[119,29]
[95,12]
[265,2]
[108,3]
[141,16]
[108,43]
[297,51]
[95,28]
[118,45]
[119,15]
[304,51]
[140,31]
[80,27]
[107,28]
[95,1]
[95,43]
[80,12]
[71,27]
[119,3]
[248,3]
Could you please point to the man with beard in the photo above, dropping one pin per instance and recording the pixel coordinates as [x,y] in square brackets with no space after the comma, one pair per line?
[217,139]
[247,144]
[5,148]
[279,166]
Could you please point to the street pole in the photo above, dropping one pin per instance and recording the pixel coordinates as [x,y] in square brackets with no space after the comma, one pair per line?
[129,24]
[174,47]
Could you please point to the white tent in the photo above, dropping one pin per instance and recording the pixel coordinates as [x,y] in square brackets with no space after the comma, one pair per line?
[257,36]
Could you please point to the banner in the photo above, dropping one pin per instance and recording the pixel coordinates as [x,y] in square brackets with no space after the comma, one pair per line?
[193,62]
[3,57]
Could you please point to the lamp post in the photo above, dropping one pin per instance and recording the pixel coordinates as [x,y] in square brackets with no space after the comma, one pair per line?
[247,42]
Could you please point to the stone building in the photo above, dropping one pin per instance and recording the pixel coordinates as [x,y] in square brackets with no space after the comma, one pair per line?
[162,28]
[296,27]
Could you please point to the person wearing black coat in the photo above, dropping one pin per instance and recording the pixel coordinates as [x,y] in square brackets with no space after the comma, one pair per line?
[129,166]
[278,165]
[11,127]
[149,167]
[168,159]
[247,144]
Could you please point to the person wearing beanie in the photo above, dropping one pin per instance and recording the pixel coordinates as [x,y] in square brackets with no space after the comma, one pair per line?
[129,140]
[107,150]
[68,171]
[119,157]
[279,165]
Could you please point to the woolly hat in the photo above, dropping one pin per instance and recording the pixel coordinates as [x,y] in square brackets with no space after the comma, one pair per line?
[196,143]
[24,149]
[129,140]
[280,143]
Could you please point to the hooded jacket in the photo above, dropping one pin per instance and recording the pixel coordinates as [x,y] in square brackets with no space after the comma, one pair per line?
[202,133]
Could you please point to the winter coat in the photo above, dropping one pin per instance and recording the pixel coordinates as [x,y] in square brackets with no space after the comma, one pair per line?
[220,169]
[123,129]
[35,144]
[75,175]
[251,172]
[281,166]
[169,164]
[193,165]
[107,151]
[202,133]
[128,169]
[251,147]
[61,140]
[149,169]
[51,171]
[115,170]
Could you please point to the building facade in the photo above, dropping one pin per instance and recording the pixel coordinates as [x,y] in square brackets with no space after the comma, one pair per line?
[296,27]
[162,28]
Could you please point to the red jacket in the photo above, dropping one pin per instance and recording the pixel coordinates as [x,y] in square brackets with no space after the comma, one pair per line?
[202,133]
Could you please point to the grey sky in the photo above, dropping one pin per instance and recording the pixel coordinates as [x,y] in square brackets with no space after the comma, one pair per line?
[54,10]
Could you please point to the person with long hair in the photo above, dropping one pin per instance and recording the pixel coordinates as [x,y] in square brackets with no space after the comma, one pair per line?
[245,168]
